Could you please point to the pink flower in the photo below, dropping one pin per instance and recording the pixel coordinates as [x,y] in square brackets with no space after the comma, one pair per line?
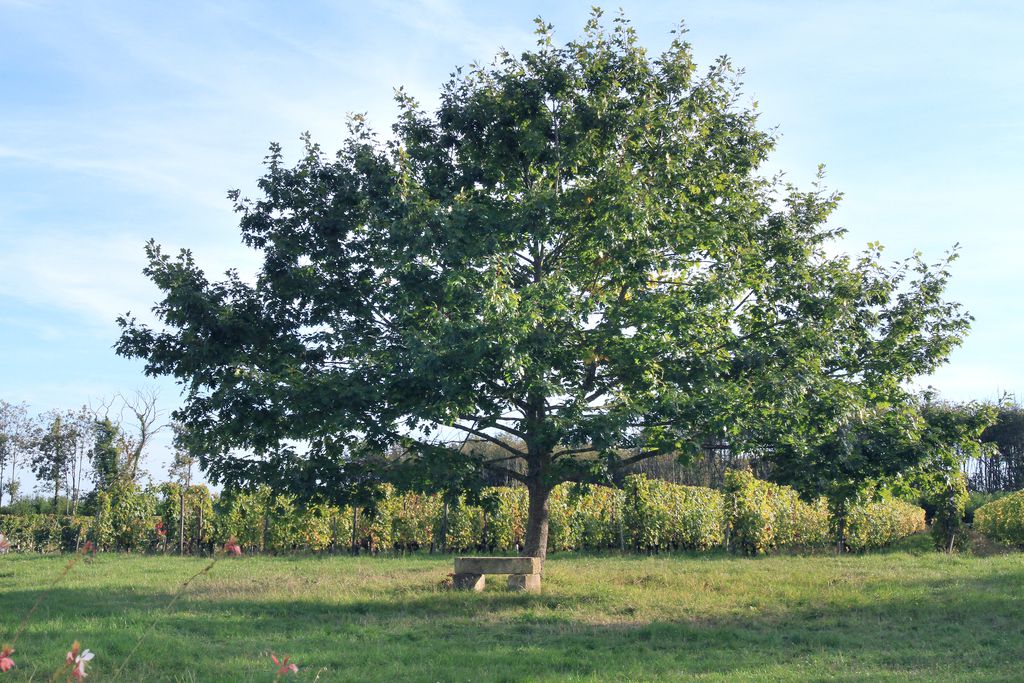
[6,663]
[4,544]
[78,661]
[232,547]
[284,667]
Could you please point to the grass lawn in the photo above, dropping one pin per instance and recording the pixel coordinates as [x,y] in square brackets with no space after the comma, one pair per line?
[904,615]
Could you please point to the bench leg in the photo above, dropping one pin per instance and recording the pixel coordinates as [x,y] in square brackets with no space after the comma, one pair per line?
[524,582]
[469,582]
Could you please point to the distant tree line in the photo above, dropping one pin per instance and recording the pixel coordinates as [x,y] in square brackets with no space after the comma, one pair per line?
[70,452]
[996,468]
[1002,467]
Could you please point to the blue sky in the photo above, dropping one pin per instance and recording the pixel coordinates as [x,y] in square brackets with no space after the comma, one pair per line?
[125,121]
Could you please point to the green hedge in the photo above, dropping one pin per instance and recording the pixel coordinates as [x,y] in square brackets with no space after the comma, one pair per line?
[65,533]
[648,515]
[1002,520]
[192,532]
[976,500]
[765,516]
[645,514]
[873,524]
[660,515]
[125,519]
[263,522]
[44,533]
[505,518]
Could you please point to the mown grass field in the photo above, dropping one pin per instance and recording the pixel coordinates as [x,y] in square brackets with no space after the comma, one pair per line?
[902,615]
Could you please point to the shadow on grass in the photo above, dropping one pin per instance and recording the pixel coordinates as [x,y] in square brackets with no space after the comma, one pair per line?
[955,628]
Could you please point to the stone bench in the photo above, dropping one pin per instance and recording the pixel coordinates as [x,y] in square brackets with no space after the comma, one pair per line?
[523,572]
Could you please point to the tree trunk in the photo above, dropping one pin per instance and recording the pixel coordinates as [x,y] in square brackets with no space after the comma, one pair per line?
[199,531]
[266,530]
[78,482]
[443,540]
[355,525]
[840,514]
[537,521]
[181,523]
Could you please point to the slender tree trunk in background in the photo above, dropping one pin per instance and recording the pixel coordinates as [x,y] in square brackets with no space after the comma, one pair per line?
[69,485]
[622,530]
[266,530]
[78,483]
[841,528]
[536,544]
[355,523]
[443,545]
[181,523]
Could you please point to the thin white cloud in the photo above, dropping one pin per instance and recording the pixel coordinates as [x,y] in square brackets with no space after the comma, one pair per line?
[23,4]
[95,279]
[449,22]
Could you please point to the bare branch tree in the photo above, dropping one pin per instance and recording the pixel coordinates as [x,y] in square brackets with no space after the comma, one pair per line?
[140,410]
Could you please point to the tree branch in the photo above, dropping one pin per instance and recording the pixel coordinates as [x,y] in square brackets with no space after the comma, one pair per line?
[574,451]
[487,437]
[743,301]
[491,422]
[643,455]
[506,471]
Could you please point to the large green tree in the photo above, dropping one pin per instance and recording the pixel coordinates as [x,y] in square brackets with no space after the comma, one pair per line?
[106,454]
[916,443]
[54,445]
[574,259]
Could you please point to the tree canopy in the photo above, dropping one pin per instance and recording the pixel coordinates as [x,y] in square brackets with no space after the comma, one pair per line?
[574,259]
